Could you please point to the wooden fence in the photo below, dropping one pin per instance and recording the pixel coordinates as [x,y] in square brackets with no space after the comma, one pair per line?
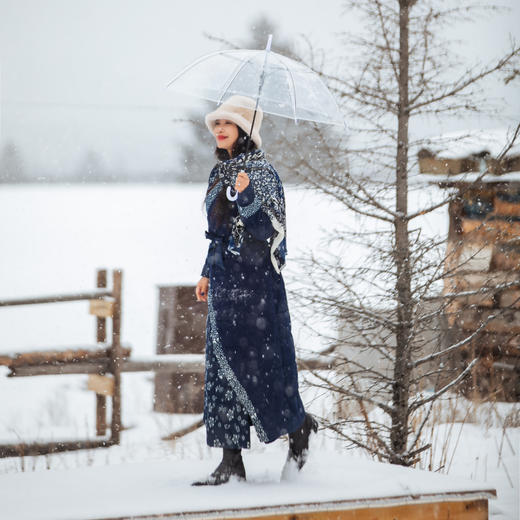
[104,364]
[178,364]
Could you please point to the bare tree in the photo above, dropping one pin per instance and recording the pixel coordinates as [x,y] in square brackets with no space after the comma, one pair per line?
[390,355]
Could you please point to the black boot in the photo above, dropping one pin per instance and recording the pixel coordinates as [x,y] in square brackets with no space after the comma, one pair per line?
[232,465]
[299,446]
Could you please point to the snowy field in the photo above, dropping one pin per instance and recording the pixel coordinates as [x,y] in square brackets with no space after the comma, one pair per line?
[54,237]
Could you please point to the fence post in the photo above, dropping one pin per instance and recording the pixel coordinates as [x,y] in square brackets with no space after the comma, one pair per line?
[101,336]
[116,355]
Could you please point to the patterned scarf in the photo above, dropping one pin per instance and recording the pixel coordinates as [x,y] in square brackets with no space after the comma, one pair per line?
[268,196]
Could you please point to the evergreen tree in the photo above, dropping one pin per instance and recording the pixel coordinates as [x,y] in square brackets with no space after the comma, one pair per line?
[11,165]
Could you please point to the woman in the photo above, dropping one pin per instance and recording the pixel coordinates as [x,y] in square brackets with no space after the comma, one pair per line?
[251,377]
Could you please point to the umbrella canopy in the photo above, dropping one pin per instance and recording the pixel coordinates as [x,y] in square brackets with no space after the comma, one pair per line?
[282,86]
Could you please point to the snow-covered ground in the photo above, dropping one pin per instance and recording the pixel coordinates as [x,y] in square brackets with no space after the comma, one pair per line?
[153,487]
[54,237]
[154,475]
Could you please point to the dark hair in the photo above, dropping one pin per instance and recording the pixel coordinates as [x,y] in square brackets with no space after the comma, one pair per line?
[222,206]
[239,146]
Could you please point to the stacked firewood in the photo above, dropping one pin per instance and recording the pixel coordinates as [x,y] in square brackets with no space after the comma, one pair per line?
[483,288]
[482,269]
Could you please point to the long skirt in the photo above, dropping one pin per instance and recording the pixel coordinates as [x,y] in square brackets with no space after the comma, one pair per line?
[250,374]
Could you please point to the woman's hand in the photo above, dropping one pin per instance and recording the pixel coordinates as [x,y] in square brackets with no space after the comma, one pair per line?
[201,291]
[242,182]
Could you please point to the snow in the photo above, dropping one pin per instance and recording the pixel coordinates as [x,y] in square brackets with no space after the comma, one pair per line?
[91,348]
[58,235]
[165,358]
[470,177]
[164,486]
[152,475]
[452,145]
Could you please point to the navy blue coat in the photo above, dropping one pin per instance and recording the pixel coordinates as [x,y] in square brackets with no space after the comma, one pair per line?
[250,376]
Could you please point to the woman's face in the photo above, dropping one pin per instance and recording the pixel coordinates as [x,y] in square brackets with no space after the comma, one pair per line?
[226,133]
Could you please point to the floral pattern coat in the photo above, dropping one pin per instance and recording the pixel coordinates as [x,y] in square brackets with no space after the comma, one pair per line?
[250,375]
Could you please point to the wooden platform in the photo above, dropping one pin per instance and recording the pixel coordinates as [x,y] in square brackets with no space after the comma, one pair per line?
[436,507]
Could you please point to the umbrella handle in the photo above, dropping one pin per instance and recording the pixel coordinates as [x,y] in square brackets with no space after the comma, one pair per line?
[229,195]
[267,51]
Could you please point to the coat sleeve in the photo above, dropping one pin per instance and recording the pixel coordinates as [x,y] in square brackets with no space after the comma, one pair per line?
[255,219]
[205,268]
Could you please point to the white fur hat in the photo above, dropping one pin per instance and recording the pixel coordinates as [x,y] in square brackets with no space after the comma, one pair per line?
[240,110]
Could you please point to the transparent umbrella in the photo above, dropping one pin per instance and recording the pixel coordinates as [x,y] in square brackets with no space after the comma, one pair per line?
[280,85]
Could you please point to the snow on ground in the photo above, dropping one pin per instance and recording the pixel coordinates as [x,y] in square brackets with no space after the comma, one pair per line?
[57,407]
[164,486]
[478,441]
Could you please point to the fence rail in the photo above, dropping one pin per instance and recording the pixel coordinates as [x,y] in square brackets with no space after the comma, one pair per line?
[93,295]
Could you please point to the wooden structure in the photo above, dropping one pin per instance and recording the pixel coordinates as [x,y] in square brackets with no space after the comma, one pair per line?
[181,330]
[482,269]
[473,163]
[101,361]
[469,506]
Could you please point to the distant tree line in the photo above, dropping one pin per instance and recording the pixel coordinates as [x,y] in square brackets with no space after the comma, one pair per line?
[11,165]
[90,170]
[284,142]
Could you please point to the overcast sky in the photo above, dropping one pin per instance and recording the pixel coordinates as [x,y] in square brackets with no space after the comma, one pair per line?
[80,75]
